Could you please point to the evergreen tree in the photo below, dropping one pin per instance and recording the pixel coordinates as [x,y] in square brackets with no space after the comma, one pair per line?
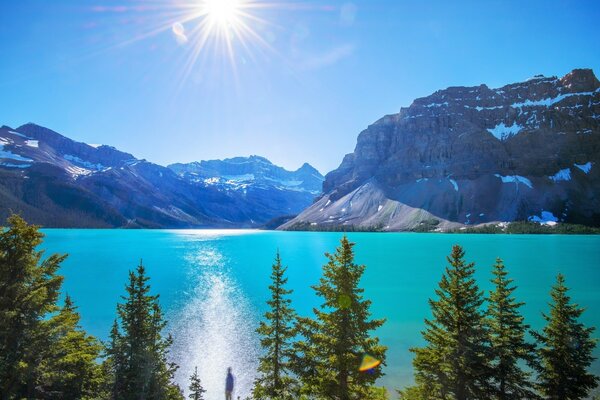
[137,351]
[566,348]
[453,364]
[29,289]
[327,360]
[69,369]
[196,389]
[276,332]
[507,335]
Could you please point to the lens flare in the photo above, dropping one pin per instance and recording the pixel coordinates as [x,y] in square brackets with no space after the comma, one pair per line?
[216,33]
[368,363]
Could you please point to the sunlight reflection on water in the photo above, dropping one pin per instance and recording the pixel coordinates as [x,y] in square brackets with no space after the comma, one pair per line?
[214,328]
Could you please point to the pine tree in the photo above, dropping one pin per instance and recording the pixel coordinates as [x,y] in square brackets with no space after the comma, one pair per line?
[327,360]
[196,389]
[453,363]
[566,348]
[29,289]
[276,332]
[137,351]
[69,369]
[507,331]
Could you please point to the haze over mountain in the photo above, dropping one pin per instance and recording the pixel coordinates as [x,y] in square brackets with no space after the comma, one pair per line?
[57,182]
[472,155]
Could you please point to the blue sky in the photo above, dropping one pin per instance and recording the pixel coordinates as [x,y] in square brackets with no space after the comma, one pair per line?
[321,72]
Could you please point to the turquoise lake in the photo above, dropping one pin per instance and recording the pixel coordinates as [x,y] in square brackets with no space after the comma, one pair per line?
[213,284]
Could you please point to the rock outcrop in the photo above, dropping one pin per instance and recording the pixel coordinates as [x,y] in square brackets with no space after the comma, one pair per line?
[473,155]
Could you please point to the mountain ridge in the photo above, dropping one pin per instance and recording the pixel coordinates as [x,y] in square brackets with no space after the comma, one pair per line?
[473,155]
[58,182]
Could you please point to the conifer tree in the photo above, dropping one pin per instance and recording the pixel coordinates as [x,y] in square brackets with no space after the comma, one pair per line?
[196,389]
[137,350]
[328,358]
[29,289]
[507,331]
[69,369]
[565,350]
[453,364]
[276,333]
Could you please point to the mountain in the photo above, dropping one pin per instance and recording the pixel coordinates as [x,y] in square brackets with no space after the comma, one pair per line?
[240,172]
[473,155]
[57,182]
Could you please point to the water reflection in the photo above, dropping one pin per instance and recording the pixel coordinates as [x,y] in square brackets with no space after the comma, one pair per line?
[214,327]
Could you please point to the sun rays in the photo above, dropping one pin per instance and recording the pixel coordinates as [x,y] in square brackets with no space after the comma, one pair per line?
[212,34]
[221,28]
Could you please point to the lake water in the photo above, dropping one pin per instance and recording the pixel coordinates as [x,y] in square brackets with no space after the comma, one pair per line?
[213,284]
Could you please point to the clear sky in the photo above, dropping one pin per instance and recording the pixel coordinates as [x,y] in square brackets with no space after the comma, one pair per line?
[300,85]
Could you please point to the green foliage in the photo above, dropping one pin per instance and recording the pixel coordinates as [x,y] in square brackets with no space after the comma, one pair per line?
[428,225]
[308,227]
[417,392]
[566,347]
[44,353]
[137,351]
[328,356]
[377,393]
[529,227]
[196,389]
[507,331]
[277,333]
[69,369]
[29,290]
[454,363]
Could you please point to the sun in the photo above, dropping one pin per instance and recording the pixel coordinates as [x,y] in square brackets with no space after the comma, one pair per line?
[222,13]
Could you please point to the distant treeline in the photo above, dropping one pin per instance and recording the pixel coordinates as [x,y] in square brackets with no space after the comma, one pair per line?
[477,346]
[529,227]
[431,226]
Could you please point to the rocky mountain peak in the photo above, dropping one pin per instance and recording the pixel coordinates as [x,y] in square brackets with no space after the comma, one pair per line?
[581,80]
[469,155]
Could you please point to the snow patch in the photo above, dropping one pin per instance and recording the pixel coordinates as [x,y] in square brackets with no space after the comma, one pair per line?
[12,156]
[549,101]
[239,178]
[77,171]
[437,104]
[453,182]
[379,208]
[586,168]
[212,181]
[32,143]
[18,134]
[503,132]
[546,218]
[86,165]
[479,108]
[11,165]
[516,179]
[562,175]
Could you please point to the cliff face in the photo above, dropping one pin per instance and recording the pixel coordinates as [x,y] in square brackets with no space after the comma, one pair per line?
[471,155]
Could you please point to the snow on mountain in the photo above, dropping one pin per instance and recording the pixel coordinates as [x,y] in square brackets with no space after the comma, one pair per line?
[55,181]
[240,172]
[511,153]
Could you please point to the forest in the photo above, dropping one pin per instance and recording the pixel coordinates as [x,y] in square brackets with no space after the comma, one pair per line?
[477,345]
